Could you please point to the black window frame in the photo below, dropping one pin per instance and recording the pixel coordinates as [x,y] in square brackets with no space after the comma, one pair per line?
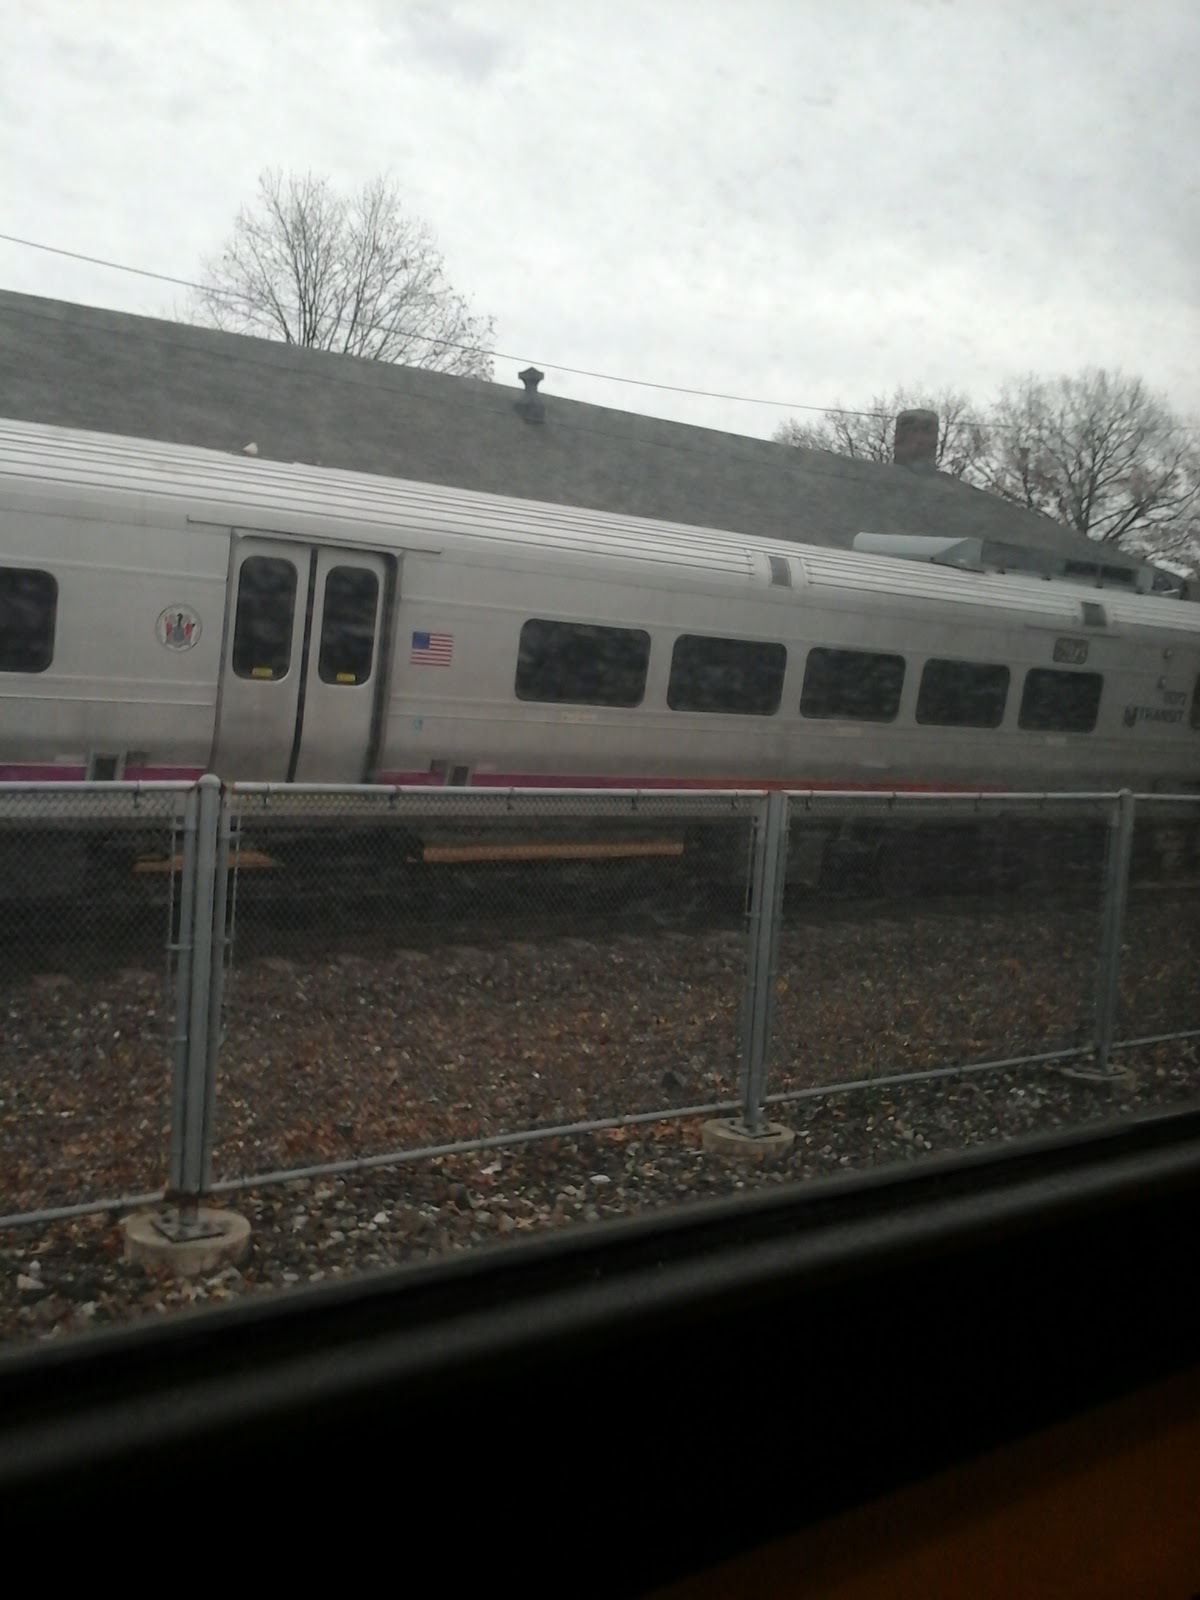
[258,671]
[685,654]
[1194,714]
[927,690]
[1044,675]
[28,650]
[326,671]
[548,652]
[821,656]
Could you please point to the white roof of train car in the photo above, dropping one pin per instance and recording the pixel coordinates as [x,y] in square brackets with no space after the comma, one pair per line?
[401,508]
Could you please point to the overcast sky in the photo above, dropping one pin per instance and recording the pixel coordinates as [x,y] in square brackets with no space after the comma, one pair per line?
[803,200]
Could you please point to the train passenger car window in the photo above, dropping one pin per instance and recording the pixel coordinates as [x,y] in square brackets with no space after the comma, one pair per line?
[962,694]
[582,663]
[1195,713]
[1060,702]
[348,625]
[266,607]
[740,675]
[28,614]
[862,684]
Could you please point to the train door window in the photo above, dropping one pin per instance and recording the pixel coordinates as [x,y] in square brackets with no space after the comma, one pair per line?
[28,614]
[266,608]
[962,694]
[1060,702]
[1195,713]
[739,675]
[864,685]
[348,625]
[582,663]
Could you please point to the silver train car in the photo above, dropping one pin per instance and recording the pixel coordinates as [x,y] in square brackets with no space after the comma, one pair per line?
[167,611]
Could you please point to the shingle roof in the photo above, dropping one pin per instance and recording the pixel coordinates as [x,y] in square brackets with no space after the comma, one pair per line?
[80,366]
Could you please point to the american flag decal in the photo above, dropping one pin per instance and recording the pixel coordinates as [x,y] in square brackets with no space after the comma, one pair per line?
[431,649]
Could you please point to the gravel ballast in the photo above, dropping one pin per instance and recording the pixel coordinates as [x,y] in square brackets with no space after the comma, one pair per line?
[335,1056]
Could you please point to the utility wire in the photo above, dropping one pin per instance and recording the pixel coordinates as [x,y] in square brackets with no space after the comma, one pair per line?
[824,464]
[502,355]
[498,355]
[821,464]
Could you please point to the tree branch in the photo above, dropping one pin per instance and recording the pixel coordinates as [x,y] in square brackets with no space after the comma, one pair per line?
[360,277]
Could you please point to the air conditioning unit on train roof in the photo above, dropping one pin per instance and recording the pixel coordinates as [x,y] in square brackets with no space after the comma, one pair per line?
[980,555]
[964,553]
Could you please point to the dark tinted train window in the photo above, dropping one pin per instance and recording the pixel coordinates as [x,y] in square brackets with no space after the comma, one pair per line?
[348,625]
[962,694]
[1060,702]
[28,611]
[582,663]
[262,629]
[742,675]
[852,683]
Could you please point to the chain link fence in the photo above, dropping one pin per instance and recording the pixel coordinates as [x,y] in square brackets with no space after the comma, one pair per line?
[207,989]
[90,889]
[410,973]
[1159,974]
[920,933]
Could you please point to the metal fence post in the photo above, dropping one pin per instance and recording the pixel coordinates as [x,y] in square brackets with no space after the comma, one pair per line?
[181,943]
[1118,857]
[216,986]
[202,893]
[762,954]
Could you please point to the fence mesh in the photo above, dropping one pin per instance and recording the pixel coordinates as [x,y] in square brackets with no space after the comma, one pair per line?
[408,971]
[1159,986]
[406,975]
[919,935]
[88,897]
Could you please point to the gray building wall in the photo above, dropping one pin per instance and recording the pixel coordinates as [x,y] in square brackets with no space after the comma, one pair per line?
[79,366]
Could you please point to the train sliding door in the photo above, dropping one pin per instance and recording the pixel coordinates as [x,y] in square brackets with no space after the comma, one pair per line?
[304,644]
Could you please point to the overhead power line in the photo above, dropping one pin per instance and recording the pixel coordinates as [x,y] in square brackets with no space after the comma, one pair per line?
[450,344]
[503,355]
[349,377]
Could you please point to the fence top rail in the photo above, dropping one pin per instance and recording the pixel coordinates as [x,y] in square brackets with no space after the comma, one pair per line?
[437,793]
[433,793]
[26,786]
[972,797]
[480,792]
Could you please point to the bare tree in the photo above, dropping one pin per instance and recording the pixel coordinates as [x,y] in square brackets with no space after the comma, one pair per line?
[1175,545]
[1099,453]
[868,434]
[358,276]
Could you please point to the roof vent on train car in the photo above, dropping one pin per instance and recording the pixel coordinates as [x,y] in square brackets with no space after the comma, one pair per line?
[532,407]
[781,571]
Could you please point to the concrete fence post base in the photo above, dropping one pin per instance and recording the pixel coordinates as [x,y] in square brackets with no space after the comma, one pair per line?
[730,1139]
[202,1241]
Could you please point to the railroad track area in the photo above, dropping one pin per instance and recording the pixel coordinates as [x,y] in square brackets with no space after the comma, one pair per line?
[334,1052]
[346,1033]
[487,902]
[441,881]
[576,1016]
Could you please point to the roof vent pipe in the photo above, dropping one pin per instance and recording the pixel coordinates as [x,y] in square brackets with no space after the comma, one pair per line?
[531,406]
[916,440]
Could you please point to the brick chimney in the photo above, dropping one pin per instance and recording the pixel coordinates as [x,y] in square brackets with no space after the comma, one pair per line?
[916,440]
